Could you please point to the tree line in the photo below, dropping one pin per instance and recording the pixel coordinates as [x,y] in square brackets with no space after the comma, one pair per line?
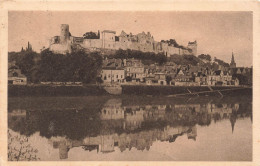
[78,66]
[185,59]
[146,57]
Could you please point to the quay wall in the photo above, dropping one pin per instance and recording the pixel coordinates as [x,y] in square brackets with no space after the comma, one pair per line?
[48,90]
[95,90]
[176,90]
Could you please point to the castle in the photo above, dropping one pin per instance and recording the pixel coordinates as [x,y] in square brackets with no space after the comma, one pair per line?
[108,40]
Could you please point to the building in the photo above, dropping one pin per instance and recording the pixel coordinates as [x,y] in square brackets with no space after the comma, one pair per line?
[112,62]
[113,75]
[161,78]
[183,78]
[219,77]
[193,47]
[15,76]
[112,110]
[135,69]
[150,81]
[62,44]
[233,63]
[108,40]
[201,78]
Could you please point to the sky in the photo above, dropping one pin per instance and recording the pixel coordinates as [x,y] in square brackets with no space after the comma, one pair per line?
[217,33]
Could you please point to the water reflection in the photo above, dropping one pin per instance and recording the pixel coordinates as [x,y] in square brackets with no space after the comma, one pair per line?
[124,126]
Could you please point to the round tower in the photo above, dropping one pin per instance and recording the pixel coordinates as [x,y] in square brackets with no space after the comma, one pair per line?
[193,46]
[64,33]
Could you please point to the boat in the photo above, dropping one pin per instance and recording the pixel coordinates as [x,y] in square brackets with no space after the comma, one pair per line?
[113,89]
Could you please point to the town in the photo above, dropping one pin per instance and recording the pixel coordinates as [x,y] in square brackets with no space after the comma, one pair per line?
[130,85]
[178,66]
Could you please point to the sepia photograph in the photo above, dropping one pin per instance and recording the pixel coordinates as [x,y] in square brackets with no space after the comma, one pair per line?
[129,86]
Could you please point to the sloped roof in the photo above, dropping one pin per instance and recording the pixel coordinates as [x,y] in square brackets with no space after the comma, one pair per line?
[123,33]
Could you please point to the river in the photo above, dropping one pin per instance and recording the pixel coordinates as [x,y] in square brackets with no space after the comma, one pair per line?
[130,128]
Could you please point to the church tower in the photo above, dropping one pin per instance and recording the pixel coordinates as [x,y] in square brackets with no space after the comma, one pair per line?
[233,63]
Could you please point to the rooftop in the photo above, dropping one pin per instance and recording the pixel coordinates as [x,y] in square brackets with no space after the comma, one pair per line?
[112,68]
[109,31]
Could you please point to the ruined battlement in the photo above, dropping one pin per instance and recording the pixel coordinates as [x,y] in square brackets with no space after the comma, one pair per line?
[109,40]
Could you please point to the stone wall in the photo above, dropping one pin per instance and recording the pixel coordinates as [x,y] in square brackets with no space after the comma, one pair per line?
[142,42]
[60,48]
[92,43]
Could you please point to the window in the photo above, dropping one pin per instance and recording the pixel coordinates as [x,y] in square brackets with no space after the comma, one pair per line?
[116,76]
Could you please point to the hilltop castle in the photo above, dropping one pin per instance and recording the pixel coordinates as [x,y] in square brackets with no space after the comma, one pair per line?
[108,40]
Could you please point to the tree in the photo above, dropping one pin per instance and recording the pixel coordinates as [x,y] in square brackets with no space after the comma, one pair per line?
[205,56]
[185,59]
[77,66]
[243,79]
[19,148]
[146,57]
[168,79]
[171,42]
[99,80]
[90,35]
[128,79]
[221,62]
[26,61]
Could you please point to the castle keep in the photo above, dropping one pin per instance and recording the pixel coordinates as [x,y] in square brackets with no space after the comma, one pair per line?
[108,40]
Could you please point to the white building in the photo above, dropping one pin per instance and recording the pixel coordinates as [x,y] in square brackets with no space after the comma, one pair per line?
[15,77]
[113,75]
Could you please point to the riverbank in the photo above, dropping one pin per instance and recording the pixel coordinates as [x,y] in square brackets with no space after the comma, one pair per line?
[95,90]
[50,90]
[187,90]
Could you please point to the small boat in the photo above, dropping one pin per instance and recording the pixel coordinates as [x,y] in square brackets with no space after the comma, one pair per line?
[113,89]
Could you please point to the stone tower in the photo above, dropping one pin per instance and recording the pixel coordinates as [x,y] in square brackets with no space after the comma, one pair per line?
[233,63]
[193,46]
[64,33]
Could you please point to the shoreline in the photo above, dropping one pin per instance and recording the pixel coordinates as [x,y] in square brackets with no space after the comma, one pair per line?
[149,90]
